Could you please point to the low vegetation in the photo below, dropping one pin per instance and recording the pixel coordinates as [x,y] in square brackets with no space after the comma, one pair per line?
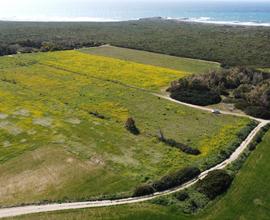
[182,147]
[131,127]
[248,89]
[169,181]
[259,137]
[176,179]
[245,46]
[143,190]
[235,167]
[214,184]
[182,196]
[31,46]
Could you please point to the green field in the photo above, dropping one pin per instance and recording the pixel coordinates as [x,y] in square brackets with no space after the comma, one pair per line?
[54,149]
[182,64]
[248,198]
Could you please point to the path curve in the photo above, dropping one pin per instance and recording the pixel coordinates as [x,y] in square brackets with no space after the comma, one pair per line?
[208,109]
[31,209]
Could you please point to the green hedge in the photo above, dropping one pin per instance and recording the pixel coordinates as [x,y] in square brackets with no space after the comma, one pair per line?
[169,181]
[176,179]
[215,183]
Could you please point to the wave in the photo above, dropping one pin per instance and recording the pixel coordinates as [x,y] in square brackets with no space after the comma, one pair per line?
[208,20]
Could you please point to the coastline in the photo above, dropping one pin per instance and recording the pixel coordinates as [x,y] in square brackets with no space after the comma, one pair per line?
[200,20]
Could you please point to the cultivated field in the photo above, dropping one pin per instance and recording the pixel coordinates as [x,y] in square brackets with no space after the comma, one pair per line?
[56,147]
[189,66]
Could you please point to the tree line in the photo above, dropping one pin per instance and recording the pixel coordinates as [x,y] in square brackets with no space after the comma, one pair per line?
[30,46]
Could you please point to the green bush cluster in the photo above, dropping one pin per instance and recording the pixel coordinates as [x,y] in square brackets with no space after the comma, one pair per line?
[143,190]
[182,196]
[248,88]
[176,178]
[258,138]
[30,46]
[169,181]
[201,97]
[215,183]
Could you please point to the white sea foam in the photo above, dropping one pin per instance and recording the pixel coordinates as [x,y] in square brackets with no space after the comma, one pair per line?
[208,20]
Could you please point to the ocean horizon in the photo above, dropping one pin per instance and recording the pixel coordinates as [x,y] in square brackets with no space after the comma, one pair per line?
[232,13]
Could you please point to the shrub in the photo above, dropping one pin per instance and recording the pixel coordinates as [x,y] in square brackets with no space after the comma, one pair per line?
[257,111]
[182,147]
[131,127]
[249,89]
[143,190]
[258,138]
[164,201]
[196,97]
[215,183]
[252,146]
[176,179]
[182,196]
[97,115]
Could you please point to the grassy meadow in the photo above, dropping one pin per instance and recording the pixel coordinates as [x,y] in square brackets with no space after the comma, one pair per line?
[189,66]
[54,149]
[248,198]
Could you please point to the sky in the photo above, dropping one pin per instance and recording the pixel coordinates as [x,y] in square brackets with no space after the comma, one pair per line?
[10,5]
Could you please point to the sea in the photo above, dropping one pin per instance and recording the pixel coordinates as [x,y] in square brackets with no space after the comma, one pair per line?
[238,12]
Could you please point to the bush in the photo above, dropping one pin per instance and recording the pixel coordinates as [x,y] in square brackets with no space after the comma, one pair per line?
[97,115]
[131,127]
[164,201]
[196,97]
[257,111]
[252,146]
[182,196]
[143,190]
[176,179]
[215,183]
[182,147]
[258,138]
[248,88]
